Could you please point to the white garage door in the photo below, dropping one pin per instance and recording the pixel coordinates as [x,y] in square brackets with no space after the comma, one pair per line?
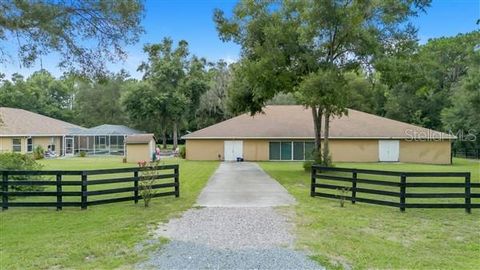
[388,150]
[233,150]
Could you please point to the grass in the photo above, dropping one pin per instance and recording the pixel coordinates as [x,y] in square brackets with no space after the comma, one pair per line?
[363,236]
[104,236]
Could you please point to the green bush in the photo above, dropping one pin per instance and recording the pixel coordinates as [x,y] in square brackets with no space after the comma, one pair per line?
[182,152]
[38,152]
[307,165]
[16,162]
[83,154]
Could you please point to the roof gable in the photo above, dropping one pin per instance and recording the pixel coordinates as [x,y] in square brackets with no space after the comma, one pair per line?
[295,121]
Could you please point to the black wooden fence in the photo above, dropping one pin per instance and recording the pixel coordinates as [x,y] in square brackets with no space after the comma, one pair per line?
[466,153]
[401,189]
[80,187]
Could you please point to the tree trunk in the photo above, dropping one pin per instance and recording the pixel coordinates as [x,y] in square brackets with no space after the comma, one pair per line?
[175,137]
[317,124]
[326,149]
[164,138]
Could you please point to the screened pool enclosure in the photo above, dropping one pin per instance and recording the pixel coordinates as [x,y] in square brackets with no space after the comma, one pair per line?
[100,140]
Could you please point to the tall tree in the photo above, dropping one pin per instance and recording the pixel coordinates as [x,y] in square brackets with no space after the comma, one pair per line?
[41,93]
[165,71]
[194,85]
[213,103]
[462,118]
[420,78]
[289,45]
[86,34]
[99,101]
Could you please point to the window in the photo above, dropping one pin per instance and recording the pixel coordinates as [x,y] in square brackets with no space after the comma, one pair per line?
[309,149]
[16,145]
[29,145]
[286,151]
[274,150]
[298,151]
[291,150]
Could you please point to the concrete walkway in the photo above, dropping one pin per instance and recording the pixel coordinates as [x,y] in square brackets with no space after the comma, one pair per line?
[243,184]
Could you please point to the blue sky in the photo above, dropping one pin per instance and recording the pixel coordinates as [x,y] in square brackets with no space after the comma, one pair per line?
[192,20]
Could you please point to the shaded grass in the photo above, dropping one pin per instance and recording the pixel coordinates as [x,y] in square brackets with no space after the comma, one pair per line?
[104,236]
[366,236]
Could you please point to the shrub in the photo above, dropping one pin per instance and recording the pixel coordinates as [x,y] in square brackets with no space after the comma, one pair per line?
[38,152]
[16,161]
[182,152]
[307,165]
[148,174]
[83,154]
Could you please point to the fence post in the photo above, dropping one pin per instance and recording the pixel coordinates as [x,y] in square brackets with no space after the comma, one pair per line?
[468,200]
[403,185]
[135,185]
[5,191]
[354,186]
[177,182]
[59,192]
[314,180]
[84,190]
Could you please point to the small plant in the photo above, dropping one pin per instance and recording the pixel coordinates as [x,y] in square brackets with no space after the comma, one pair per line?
[182,152]
[83,154]
[38,152]
[342,195]
[307,165]
[148,174]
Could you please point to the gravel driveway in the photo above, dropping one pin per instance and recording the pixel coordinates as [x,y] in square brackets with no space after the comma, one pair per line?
[226,237]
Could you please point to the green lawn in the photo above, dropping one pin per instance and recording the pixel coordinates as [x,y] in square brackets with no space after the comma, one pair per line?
[363,236]
[104,236]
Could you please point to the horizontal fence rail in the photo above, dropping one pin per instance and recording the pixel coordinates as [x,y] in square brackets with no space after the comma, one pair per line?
[346,181]
[87,190]
[466,153]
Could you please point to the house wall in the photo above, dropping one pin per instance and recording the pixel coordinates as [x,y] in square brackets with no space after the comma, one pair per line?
[354,150]
[138,152]
[435,152]
[204,149]
[255,149]
[6,143]
[44,142]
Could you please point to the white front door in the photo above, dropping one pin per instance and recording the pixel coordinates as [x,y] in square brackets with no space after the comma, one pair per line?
[233,150]
[388,150]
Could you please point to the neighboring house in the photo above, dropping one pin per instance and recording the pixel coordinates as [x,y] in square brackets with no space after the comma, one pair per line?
[287,133]
[21,131]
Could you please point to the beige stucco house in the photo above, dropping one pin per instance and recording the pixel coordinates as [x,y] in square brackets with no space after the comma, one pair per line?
[286,133]
[21,131]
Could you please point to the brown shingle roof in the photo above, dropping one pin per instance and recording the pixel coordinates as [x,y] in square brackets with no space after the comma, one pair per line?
[295,121]
[21,122]
[139,138]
